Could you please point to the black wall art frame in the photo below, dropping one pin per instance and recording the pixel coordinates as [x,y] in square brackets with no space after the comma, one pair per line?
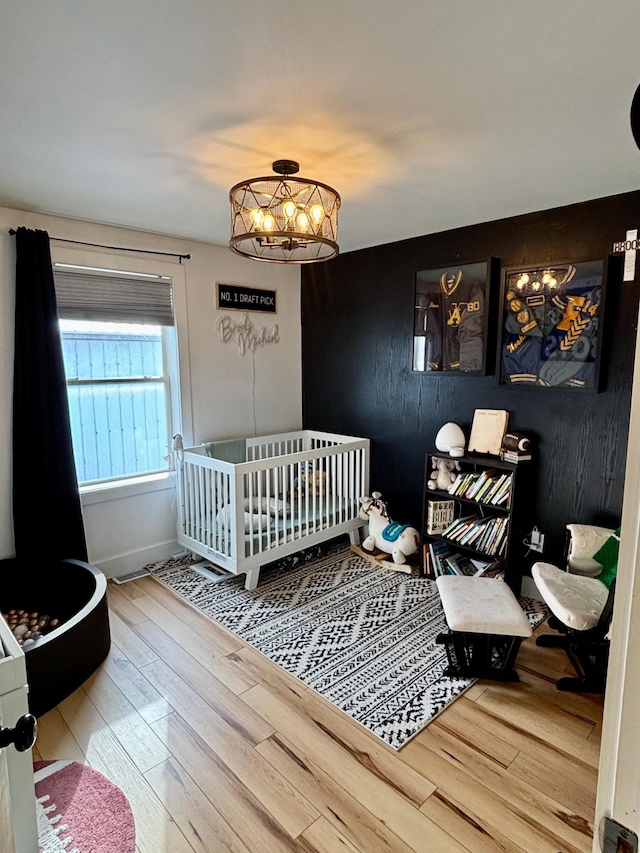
[551,322]
[452,319]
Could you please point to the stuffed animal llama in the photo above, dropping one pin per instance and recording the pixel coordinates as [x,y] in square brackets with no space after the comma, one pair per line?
[399,540]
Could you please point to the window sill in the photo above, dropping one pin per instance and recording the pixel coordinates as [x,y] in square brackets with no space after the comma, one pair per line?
[117,489]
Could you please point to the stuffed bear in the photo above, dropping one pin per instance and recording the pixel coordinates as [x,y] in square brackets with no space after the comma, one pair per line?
[442,474]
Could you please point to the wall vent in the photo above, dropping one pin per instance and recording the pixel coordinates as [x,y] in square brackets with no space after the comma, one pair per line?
[131,576]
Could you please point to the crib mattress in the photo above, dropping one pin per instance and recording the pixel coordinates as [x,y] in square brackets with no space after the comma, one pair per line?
[304,521]
[281,528]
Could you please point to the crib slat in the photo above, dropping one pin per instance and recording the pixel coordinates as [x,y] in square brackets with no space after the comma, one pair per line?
[356,482]
[260,495]
[299,499]
[200,506]
[267,489]
[282,531]
[221,532]
[312,497]
[332,467]
[343,490]
[249,493]
[215,509]
[185,496]
[227,500]
[326,484]
[352,482]
[191,503]
[206,475]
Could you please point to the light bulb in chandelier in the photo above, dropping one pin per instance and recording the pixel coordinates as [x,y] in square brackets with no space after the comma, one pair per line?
[288,208]
[317,213]
[303,221]
[257,217]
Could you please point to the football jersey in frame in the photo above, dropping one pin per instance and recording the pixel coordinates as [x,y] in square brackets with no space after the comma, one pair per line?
[552,317]
[450,317]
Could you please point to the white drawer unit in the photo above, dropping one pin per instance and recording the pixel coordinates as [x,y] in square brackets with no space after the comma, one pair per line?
[18,827]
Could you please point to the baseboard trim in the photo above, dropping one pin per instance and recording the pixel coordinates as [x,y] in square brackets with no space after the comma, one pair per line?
[134,560]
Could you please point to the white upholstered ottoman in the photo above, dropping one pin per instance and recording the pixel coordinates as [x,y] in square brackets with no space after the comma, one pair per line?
[486,626]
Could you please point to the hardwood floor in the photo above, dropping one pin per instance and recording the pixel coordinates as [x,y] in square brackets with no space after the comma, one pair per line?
[218,749]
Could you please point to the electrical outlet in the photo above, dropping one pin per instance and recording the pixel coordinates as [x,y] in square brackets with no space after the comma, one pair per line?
[536,540]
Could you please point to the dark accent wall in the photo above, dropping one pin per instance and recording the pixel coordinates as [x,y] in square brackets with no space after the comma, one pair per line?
[357,320]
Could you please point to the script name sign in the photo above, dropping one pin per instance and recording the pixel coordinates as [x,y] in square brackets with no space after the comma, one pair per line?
[235,296]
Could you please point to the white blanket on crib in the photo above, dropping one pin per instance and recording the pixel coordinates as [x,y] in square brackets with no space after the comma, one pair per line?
[258,514]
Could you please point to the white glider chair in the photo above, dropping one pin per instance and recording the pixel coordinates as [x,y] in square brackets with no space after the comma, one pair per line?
[584,541]
[581,605]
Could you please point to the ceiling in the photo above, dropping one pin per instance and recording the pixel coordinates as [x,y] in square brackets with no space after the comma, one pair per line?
[423,114]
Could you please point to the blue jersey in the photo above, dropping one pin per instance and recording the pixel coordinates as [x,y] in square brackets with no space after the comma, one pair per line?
[551,339]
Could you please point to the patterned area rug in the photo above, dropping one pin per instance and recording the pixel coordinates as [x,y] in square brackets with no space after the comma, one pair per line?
[362,637]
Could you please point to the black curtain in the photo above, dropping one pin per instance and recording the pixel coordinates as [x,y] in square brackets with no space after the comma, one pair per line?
[47,517]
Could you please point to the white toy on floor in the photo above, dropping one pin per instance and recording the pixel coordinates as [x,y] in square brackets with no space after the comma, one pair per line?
[399,540]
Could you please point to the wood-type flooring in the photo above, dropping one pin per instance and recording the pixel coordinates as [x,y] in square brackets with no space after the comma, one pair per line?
[218,749]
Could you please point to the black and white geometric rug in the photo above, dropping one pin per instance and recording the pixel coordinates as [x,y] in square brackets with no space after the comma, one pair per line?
[362,637]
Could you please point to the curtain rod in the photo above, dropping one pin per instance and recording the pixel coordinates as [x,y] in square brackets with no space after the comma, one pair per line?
[117,248]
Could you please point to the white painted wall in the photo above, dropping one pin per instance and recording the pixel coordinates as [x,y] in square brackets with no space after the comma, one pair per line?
[127,529]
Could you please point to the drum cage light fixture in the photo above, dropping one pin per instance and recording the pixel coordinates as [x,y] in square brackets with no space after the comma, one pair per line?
[284,219]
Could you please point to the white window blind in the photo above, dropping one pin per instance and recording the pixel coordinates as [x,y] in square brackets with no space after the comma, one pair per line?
[113,298]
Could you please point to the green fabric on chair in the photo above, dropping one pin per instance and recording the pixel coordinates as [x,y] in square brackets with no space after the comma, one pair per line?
[607,556]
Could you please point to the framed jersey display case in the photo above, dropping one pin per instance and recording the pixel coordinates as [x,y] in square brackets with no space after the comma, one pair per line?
[451,318]
[551,319]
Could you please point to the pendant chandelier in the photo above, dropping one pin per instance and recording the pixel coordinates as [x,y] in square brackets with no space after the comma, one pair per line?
[284,219]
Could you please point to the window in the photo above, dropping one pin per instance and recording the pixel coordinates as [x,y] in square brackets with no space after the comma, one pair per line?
[117,333]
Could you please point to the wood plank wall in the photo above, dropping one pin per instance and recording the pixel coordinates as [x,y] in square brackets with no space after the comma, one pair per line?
[357,316]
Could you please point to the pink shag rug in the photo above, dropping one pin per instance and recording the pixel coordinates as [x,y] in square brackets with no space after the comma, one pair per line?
[80,811]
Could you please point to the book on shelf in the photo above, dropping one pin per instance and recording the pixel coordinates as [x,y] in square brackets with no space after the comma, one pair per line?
[478,485]
[458,564]
[465,484]
[443,560]
[473,533]
[451,561]
[495,487]
[503,497]
[514,456]
[494,569]
[426,559]
[481,494]
[438,549]
[454,486]
[487,537]
[457,526]
[494,538]
[439,515]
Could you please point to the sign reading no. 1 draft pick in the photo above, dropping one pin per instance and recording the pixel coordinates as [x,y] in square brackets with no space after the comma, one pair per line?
[236,297]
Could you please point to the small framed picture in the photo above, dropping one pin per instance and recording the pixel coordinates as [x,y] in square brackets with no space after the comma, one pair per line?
[551,321]
[451,318]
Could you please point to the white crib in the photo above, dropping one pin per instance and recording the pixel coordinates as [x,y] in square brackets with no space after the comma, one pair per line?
[244,503]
